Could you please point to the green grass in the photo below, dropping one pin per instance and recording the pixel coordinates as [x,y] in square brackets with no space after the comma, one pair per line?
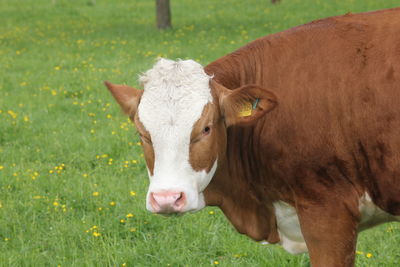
[59,130]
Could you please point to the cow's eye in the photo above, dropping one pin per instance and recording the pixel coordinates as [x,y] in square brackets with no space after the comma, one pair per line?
[206,130]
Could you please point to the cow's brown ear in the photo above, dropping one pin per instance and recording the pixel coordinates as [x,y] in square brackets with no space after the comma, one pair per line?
[127,97]
[245,105]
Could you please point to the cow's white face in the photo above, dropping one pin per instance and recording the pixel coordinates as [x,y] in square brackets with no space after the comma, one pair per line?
[182,116]
[175,95]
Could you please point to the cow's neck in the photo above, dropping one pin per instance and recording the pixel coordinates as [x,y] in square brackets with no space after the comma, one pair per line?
[240,186]
[239,189]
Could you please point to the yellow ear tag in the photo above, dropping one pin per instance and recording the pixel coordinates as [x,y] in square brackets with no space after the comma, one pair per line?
[246,110]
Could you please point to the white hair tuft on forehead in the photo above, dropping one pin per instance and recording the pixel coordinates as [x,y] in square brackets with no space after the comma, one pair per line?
[176,79]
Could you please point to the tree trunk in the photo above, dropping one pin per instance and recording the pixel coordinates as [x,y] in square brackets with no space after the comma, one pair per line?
[163,14]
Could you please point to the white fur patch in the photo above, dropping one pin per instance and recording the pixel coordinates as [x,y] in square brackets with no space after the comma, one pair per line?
[371,214]
[292,239]
[290,234]
[175,94]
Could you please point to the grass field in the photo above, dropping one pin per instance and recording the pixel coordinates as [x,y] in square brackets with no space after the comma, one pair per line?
[72,176]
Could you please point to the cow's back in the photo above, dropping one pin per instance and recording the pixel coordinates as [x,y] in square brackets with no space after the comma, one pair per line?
[338,118]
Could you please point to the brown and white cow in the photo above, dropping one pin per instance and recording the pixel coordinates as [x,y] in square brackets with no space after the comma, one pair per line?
[296,136]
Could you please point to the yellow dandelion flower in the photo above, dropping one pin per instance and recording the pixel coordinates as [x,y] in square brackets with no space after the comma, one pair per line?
[1,167]
[57,68]
[100,208]
[6,239]
[211,212]
[51,171]
[369,255]
[85,175]
[133,229]
[124,264]
[96,234]
[132,193]
[92,131]
[55,203]
[122,221]
[12,114]
[95,194]
[53,92]
[112,203]
[216,262]
[109,116]
[129,215]
[134,161]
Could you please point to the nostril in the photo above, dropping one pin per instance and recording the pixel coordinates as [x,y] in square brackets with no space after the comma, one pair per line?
[180,201]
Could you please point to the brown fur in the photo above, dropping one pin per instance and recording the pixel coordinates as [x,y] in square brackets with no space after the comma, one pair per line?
[204,150]
[147,145]
[333,136]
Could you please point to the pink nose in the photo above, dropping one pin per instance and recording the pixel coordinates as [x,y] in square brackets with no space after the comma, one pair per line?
[167,201]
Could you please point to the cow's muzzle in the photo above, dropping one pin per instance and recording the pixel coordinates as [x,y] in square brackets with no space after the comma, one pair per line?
[167,201]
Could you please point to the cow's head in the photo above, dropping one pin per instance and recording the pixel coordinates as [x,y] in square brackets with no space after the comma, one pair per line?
[182,116]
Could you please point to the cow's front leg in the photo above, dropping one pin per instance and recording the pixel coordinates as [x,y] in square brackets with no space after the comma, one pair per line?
[330,232]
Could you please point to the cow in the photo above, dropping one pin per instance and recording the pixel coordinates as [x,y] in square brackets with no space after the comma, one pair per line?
[295,136]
